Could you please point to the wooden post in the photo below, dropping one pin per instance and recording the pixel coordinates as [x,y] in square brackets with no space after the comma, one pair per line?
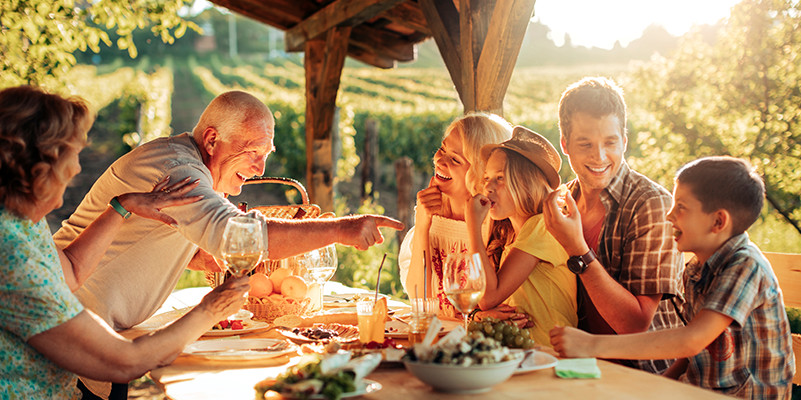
[479,42]
[324,59]
[336,147]
[370,165]
[403,177]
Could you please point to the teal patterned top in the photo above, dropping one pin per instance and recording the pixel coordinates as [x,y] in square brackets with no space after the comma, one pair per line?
[33,298]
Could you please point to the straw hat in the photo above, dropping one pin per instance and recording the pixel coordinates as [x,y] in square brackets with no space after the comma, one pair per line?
[535,148]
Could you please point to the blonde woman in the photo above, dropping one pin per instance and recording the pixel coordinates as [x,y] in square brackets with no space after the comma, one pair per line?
[440,214]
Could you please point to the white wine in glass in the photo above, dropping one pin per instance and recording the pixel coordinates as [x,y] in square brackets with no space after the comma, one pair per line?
[464,282]
[243,245]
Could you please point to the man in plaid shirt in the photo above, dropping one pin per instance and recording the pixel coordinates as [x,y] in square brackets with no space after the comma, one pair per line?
[738,339]
[634,282]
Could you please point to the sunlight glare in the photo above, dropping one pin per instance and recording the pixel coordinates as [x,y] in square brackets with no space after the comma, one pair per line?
[601,23]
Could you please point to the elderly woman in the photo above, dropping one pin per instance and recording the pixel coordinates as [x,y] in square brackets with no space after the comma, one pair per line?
[46,336]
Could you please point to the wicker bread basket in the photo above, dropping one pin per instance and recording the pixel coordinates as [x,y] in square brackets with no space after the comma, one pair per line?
[270,307]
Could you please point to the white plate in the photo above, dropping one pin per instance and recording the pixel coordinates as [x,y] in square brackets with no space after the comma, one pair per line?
[159,321]
[238,349]
[399,329]
[252,326]
[364,387]
[536,361]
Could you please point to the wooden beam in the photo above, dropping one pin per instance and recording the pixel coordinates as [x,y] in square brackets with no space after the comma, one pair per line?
[504,36]
[442,18]
[371,58]
[481,51]
[408,15]
[323,62]
[283,14]
[383,43]
[338,13]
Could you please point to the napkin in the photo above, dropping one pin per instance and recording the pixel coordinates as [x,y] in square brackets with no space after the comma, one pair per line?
[577,368]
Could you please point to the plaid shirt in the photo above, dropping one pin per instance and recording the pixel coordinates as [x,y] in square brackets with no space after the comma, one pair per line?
[637,249]
[753,357]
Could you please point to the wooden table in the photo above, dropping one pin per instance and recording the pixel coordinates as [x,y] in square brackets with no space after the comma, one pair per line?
[191,378]
[185,381]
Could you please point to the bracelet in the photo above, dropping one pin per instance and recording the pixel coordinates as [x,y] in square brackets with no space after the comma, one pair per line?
[115,204]
[473,313]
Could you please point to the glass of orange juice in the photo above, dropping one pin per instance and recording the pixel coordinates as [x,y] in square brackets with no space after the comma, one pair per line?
[371,321]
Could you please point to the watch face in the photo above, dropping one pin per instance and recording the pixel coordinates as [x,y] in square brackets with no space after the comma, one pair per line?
[576,265]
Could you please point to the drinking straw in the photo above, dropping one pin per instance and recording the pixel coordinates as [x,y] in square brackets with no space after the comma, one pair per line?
[425,281]
[378,281]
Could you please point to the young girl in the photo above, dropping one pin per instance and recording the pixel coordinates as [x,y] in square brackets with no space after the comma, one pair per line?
[519,175]
[439,218]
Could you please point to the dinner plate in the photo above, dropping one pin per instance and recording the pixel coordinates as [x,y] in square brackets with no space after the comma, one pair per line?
[396,329]
[399,330]
[364,387]
[347,334]
[252,326]
[238,349]
[537,360]
[159,321]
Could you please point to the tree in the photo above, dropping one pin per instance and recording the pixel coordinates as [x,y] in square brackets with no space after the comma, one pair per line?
[739,95]
[38,37]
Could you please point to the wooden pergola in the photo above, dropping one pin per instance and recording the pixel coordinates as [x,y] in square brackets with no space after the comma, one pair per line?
[479,40]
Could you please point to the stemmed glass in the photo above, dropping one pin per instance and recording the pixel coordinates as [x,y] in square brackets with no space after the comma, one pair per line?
[243,245]
[322,265]
[464,282]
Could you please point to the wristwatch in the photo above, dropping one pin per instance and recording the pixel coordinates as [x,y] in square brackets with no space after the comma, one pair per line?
[579,264]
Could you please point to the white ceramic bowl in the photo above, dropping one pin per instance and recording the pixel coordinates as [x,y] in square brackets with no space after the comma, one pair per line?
[465,380]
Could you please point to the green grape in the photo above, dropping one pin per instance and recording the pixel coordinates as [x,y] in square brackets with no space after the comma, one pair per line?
[519,340]
[474,326]
[498,326]
[488,329]
[529,344]
[507,330]
[499,337]
[515,330]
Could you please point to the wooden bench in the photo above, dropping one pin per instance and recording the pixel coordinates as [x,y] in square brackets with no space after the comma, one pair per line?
[788,271]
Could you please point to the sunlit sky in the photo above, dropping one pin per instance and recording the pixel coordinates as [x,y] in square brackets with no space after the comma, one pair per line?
[599,23]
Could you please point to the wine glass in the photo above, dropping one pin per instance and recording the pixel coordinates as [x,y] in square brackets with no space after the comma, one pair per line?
[322,265]
[463,281]
[243,245]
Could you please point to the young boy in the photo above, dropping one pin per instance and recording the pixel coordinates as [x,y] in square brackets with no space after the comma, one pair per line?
[738,339]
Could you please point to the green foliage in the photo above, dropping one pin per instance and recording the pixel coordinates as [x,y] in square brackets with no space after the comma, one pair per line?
[39,37]
[739,95]
[191,279]
[360,268]
[794,316]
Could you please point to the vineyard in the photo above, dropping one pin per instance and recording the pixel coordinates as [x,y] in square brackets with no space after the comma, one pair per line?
[147,99]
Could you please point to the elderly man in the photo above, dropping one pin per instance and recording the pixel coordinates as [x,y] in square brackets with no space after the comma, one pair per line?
[229,144]
[615,231]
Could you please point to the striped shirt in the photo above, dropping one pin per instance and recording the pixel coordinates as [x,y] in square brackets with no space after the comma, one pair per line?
[637,250]
[753,357]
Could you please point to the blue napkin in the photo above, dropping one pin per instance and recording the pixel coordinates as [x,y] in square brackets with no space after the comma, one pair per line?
[577,368]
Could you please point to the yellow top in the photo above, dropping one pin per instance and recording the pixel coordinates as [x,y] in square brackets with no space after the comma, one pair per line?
[548,295]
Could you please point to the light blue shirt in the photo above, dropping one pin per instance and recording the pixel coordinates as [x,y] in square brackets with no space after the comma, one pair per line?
[33,298]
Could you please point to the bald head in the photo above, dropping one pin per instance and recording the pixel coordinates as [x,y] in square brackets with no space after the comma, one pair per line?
[234,136]
[233,113]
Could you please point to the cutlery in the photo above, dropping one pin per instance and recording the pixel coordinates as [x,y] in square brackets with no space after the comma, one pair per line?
[275,347]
